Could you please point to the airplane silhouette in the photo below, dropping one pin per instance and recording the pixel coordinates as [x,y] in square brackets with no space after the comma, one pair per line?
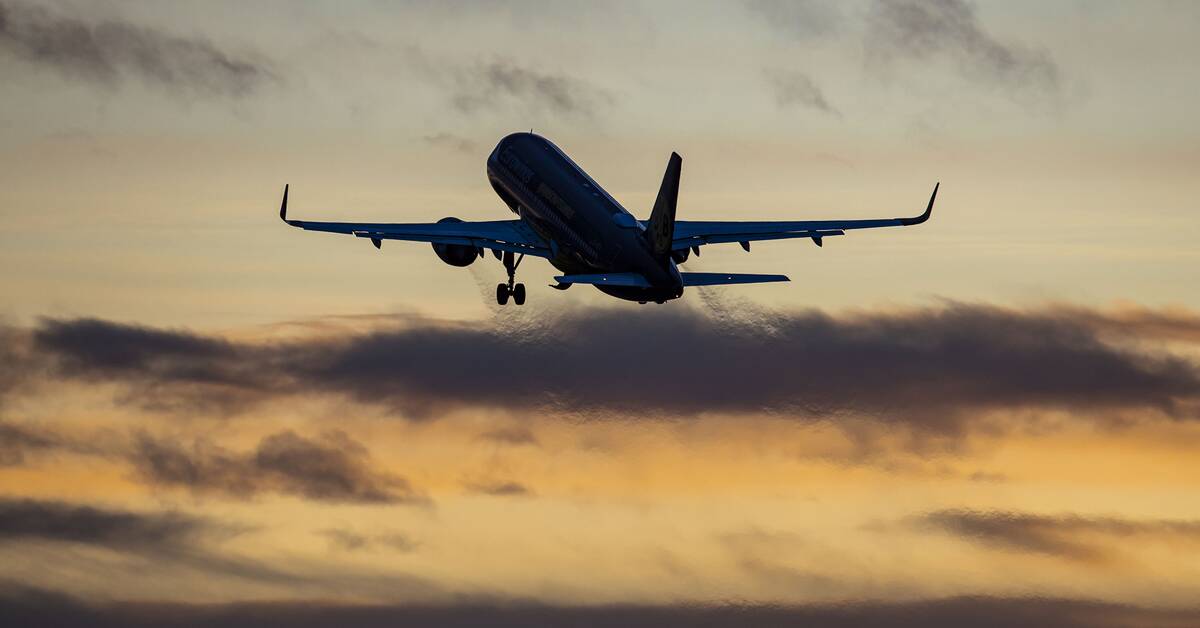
[567,218]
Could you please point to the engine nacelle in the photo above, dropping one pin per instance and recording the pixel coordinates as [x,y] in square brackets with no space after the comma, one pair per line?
[680,256]
[455,254]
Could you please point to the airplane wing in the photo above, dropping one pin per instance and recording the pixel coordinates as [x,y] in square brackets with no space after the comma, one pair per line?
[695,233]
[499,235]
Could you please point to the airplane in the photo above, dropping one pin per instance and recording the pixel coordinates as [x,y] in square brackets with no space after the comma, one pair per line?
[567,218]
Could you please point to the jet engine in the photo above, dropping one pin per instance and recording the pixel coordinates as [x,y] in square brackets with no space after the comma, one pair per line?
[455,254]
[680,256]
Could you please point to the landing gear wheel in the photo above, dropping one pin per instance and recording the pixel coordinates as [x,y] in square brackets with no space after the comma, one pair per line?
[515,290]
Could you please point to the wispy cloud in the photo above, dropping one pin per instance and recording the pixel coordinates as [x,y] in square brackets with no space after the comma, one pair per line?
[451,141]
[1072,537]
[331,468]
[508,82]
[350,541]
[510,436]
[499,488]
[793,89]
[158,537]
[922,29]
[105,52]
[803,19]
[17,441]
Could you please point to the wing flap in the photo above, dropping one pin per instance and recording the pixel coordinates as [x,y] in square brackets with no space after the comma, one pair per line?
[683,243]
[724,279]
[633,280]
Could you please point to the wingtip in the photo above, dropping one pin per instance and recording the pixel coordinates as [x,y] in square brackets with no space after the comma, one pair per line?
[928,209]
[283,205]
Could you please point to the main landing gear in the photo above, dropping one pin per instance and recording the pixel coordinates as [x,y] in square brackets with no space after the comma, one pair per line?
[515,290]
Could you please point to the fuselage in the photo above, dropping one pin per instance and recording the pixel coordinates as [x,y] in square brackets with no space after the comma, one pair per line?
[587,229]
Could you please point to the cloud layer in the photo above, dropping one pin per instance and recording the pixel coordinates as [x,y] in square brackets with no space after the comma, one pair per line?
[26,606]
[927,368]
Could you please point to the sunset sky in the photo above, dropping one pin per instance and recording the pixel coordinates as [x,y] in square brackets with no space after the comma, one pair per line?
[994,416]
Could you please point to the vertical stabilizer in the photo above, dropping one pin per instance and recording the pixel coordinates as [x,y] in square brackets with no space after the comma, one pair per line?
[660,229]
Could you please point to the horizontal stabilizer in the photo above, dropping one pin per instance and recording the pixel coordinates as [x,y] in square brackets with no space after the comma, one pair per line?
[606,279]
[721,279]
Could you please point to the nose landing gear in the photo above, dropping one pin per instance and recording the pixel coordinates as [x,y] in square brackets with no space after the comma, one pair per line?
[515,290]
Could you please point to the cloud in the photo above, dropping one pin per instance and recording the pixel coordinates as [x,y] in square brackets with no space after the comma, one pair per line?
[333,468]
[922,29]
[164,541]
[499,489]
[27,606]
[510,436]
[16,441]
[803,19]
[29,520]
[926,368]
[350,541]
[168,370]
[484,84]
[105,52]
[451,141]
[1071,537]
[158,537]
[797,89]
[18,363]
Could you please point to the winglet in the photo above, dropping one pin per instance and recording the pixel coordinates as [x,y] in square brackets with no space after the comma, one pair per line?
[928,209]
[283,205]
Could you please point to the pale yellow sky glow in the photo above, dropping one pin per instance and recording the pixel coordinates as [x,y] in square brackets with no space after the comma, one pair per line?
[993,414]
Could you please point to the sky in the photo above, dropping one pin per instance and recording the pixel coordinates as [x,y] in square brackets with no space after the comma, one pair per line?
[209,417]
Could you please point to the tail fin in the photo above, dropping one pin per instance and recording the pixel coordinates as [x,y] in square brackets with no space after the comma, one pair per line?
[660,229]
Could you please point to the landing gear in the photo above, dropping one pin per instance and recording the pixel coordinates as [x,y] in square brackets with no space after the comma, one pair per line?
[515,290]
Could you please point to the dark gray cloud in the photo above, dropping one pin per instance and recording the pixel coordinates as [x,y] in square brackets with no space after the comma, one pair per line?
[503,80]
[350,541]
[157,537]
[793,89]
[1072,537]
[104,52]
[18,364]
[191,372]
[26,606]
[332,468]
[922,29]
[168,540]
[31,520]
[17,441]
[21,441]
[926,368]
